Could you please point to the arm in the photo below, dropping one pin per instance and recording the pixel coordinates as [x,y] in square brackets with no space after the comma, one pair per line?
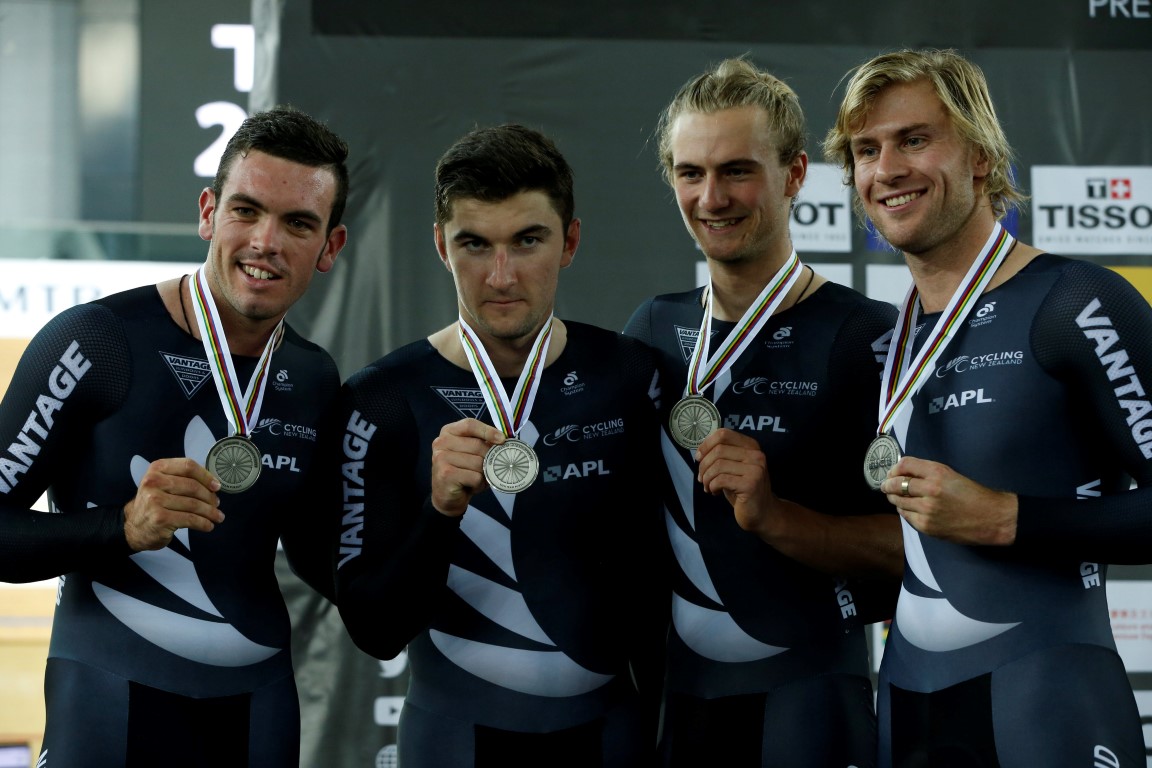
[1092,333]
[394,545]
[74,373]
[732,464]
[311,525]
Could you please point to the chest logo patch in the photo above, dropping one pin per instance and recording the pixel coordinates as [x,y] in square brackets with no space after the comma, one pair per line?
[191,372]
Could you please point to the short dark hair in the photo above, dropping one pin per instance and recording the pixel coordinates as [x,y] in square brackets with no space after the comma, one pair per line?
[290,134]
[493,164]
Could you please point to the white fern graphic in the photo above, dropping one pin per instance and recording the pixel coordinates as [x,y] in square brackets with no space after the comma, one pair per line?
[711,633]
[208,642]
[542,673]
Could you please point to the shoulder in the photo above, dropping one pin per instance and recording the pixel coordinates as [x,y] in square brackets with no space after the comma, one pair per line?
[606,350]
[315,357]
[852,307]
[1077,281]
[588,339]
[93,324]
[394,365]
[663,310]
[135,303]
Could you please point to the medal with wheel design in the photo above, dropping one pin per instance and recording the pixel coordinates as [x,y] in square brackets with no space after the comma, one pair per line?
[235,461]
[693,419]
[881,456]
[511,466]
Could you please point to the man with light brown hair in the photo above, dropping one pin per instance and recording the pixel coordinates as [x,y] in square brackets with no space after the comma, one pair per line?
[1014,392]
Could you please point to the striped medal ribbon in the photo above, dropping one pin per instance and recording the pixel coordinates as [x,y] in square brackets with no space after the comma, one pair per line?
[902,379]
[234,460]
[695,417]
[512,465]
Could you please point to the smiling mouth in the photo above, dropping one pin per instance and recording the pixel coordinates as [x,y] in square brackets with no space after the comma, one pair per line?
[257,273]
[893,202]
[719,224]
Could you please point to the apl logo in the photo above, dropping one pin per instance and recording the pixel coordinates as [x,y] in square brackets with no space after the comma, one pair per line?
[568,471]
[958,400]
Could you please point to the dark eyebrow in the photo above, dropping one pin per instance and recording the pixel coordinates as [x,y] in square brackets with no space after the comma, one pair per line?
[464,235]
[533,230]
[239,198]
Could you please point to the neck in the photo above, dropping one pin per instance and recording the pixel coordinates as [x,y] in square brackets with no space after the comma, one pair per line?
[939,271]
[735,286]
[508,357]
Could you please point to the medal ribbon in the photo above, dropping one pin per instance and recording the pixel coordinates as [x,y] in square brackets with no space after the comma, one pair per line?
[509,415]
[741,335]
[902,380]
[242,409]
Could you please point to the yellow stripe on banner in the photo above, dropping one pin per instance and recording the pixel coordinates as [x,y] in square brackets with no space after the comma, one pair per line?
[1140,277]
[10,352]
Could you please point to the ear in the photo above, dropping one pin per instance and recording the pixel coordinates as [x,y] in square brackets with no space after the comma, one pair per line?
[981,165]
[797,172]
[337,239]
[207,210]
[571,243]
[441,246]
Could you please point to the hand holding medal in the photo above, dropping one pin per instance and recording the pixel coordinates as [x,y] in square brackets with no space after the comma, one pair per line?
[512,465]
[234,460]
[695,417]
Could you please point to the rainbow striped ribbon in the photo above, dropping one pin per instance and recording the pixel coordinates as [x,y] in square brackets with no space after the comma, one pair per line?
[741,335]
[242,418]
[508,414]
[901,380]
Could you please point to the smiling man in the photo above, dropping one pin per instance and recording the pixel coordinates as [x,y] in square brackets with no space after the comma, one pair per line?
[143,414]
[783,554]
[502,537]
[1018,441]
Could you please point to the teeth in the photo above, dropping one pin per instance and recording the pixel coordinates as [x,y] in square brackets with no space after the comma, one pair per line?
[892,202]
[258,273]
[720,224]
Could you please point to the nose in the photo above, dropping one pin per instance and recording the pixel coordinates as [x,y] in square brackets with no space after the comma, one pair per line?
[501,274]
[889,165]
[713,195]
[266,236]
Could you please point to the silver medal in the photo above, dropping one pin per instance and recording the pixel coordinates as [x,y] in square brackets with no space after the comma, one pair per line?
[235,461]
[693,419]
[511,466]
[881,456]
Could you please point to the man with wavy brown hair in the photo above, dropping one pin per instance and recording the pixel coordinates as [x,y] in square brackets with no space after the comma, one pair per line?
[1014,390]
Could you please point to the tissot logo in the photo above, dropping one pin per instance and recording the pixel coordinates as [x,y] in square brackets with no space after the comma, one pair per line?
[1112,189]
[1092,209]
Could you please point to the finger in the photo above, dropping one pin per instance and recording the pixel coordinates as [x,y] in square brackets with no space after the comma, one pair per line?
[187,468]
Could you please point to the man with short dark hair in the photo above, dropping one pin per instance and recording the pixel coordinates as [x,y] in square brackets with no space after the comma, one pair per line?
[494,526]
[152,415]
